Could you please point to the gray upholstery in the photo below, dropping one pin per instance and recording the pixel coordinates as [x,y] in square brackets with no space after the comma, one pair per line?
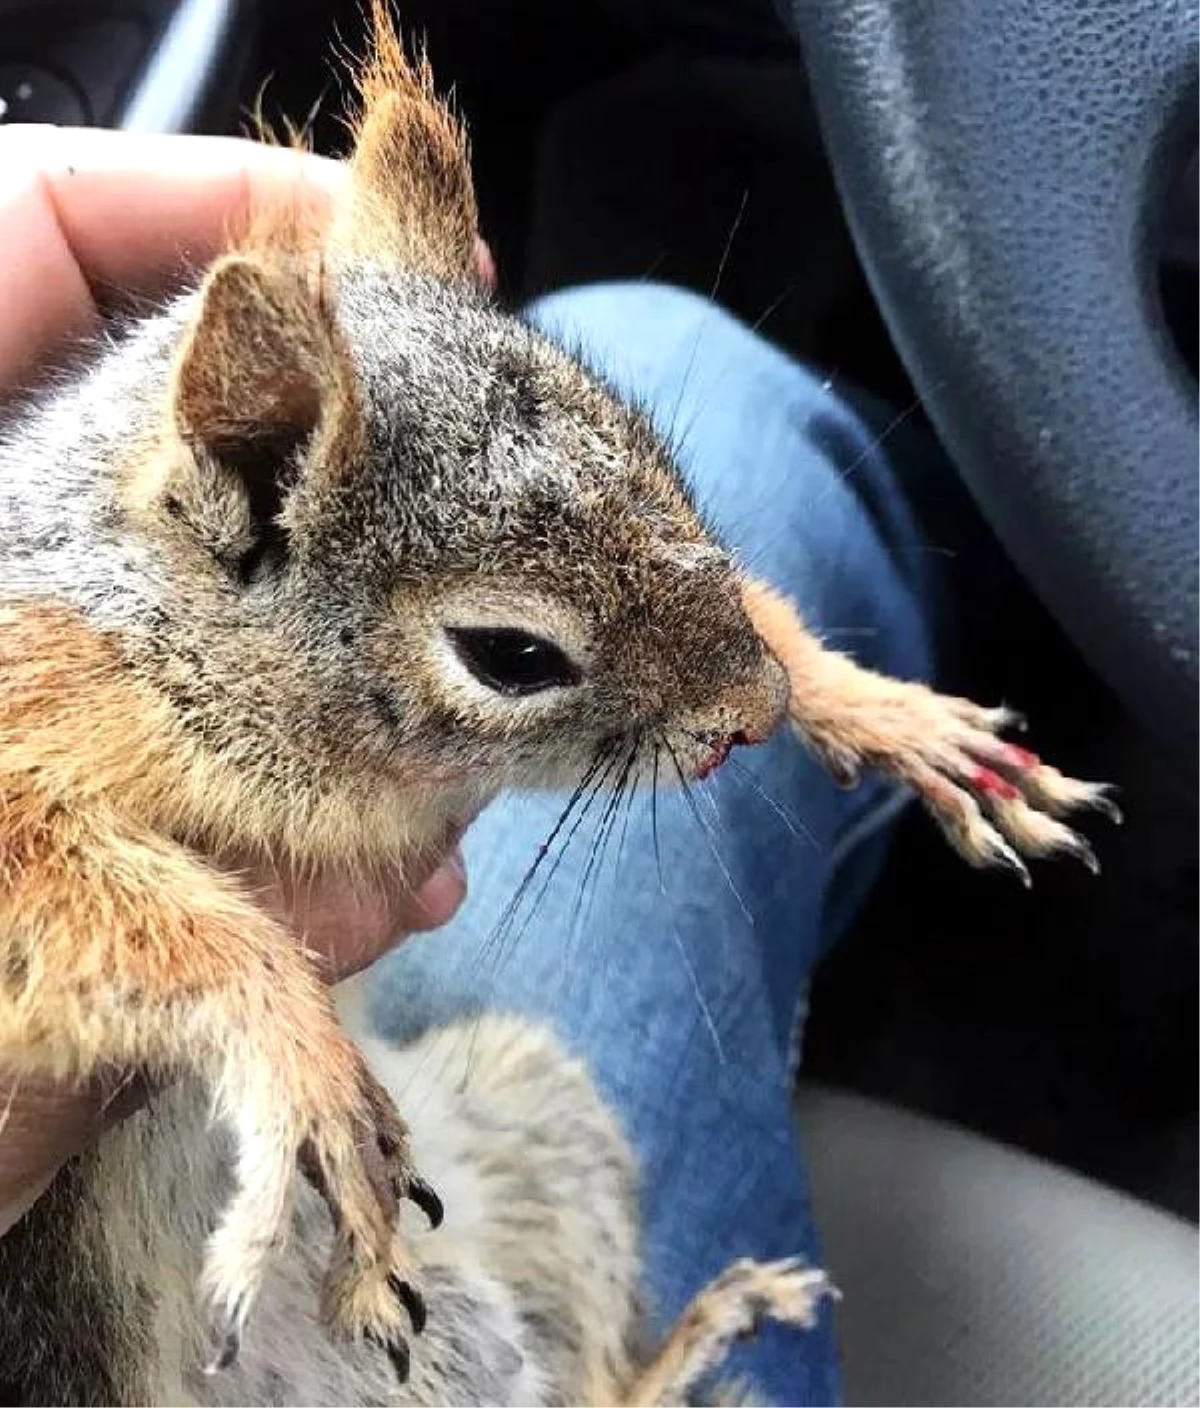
[974,1274]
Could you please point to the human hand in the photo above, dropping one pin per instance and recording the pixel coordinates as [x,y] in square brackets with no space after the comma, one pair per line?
[86,214]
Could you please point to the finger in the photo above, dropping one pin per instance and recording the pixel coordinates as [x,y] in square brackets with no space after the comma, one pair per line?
[438,900]
[45,1122]
[348,921]
[86,213]
[349,930]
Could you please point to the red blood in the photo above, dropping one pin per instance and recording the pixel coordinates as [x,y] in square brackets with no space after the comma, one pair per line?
[988,781]
[714,760]
[722,751]
[1021,757]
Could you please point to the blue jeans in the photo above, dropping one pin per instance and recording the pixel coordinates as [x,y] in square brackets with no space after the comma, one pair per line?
[677,963]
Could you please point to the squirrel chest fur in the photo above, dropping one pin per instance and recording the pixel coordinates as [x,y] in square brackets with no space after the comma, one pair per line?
[311,565]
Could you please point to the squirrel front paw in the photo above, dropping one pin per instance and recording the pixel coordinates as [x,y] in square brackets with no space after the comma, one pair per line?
[995,802]
[370,1290]
[354,1151]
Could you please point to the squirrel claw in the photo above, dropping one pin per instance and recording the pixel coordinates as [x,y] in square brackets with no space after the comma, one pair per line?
[396,1350]
[1004,854]
[230,1342]
[1002,719]
[427,1200]
[1084,853]
[411,1299]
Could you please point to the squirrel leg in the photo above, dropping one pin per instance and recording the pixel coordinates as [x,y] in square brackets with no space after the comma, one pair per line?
[995,802]
[118,949]
[730,1308]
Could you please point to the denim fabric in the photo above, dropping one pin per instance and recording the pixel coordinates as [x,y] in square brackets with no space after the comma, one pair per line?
[681,976]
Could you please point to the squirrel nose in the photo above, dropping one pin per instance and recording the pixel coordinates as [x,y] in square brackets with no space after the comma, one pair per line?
[765,705]
[752,716]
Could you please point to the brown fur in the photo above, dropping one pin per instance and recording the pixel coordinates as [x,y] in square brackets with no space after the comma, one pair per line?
[263,362]
[180,970]
[329,458]
[413,197]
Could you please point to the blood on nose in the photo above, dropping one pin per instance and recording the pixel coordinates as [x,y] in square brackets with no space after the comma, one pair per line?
[722,751]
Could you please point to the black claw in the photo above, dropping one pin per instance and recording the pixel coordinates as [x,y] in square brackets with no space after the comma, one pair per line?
[230,1349]
[231,1346]
[427,1200]
[396,1350]
[231,1342]
[757,1312]
[410,1298]
[845,775]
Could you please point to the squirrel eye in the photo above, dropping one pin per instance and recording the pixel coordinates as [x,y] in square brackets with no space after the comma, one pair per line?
[512,662]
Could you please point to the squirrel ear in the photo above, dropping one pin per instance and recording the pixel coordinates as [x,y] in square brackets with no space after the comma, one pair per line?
[260,373]
[259,360]
[411,199]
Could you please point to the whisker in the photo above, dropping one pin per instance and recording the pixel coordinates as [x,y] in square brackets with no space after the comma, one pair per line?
[9,1101]
[630,801]
[500,940]
[901,416]
[784,813]
[729,239]
[708,836]
[669,433]
[617,773]
[771,307]
[626,792]
[744,774]
[568,938]
[676,937]
[653,267]
[595,859]
[587,790]
[596,788]
[704,790]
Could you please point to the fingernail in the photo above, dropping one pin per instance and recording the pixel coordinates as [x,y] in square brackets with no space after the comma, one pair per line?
[485,262]
[439,897]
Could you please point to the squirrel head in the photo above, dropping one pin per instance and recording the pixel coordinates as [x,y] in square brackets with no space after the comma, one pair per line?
[462,562]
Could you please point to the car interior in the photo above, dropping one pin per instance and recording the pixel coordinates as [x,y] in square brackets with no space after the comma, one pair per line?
[983,215]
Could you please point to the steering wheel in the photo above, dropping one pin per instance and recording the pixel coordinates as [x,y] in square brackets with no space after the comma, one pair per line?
[1004,166]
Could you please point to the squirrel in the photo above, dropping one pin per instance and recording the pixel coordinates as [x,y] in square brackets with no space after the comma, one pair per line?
[312,564]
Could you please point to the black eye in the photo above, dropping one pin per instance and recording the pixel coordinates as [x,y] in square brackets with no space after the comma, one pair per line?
[511,661]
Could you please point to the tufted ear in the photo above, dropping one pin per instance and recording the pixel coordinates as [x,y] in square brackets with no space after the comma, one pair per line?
[411,200]
[261,376]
